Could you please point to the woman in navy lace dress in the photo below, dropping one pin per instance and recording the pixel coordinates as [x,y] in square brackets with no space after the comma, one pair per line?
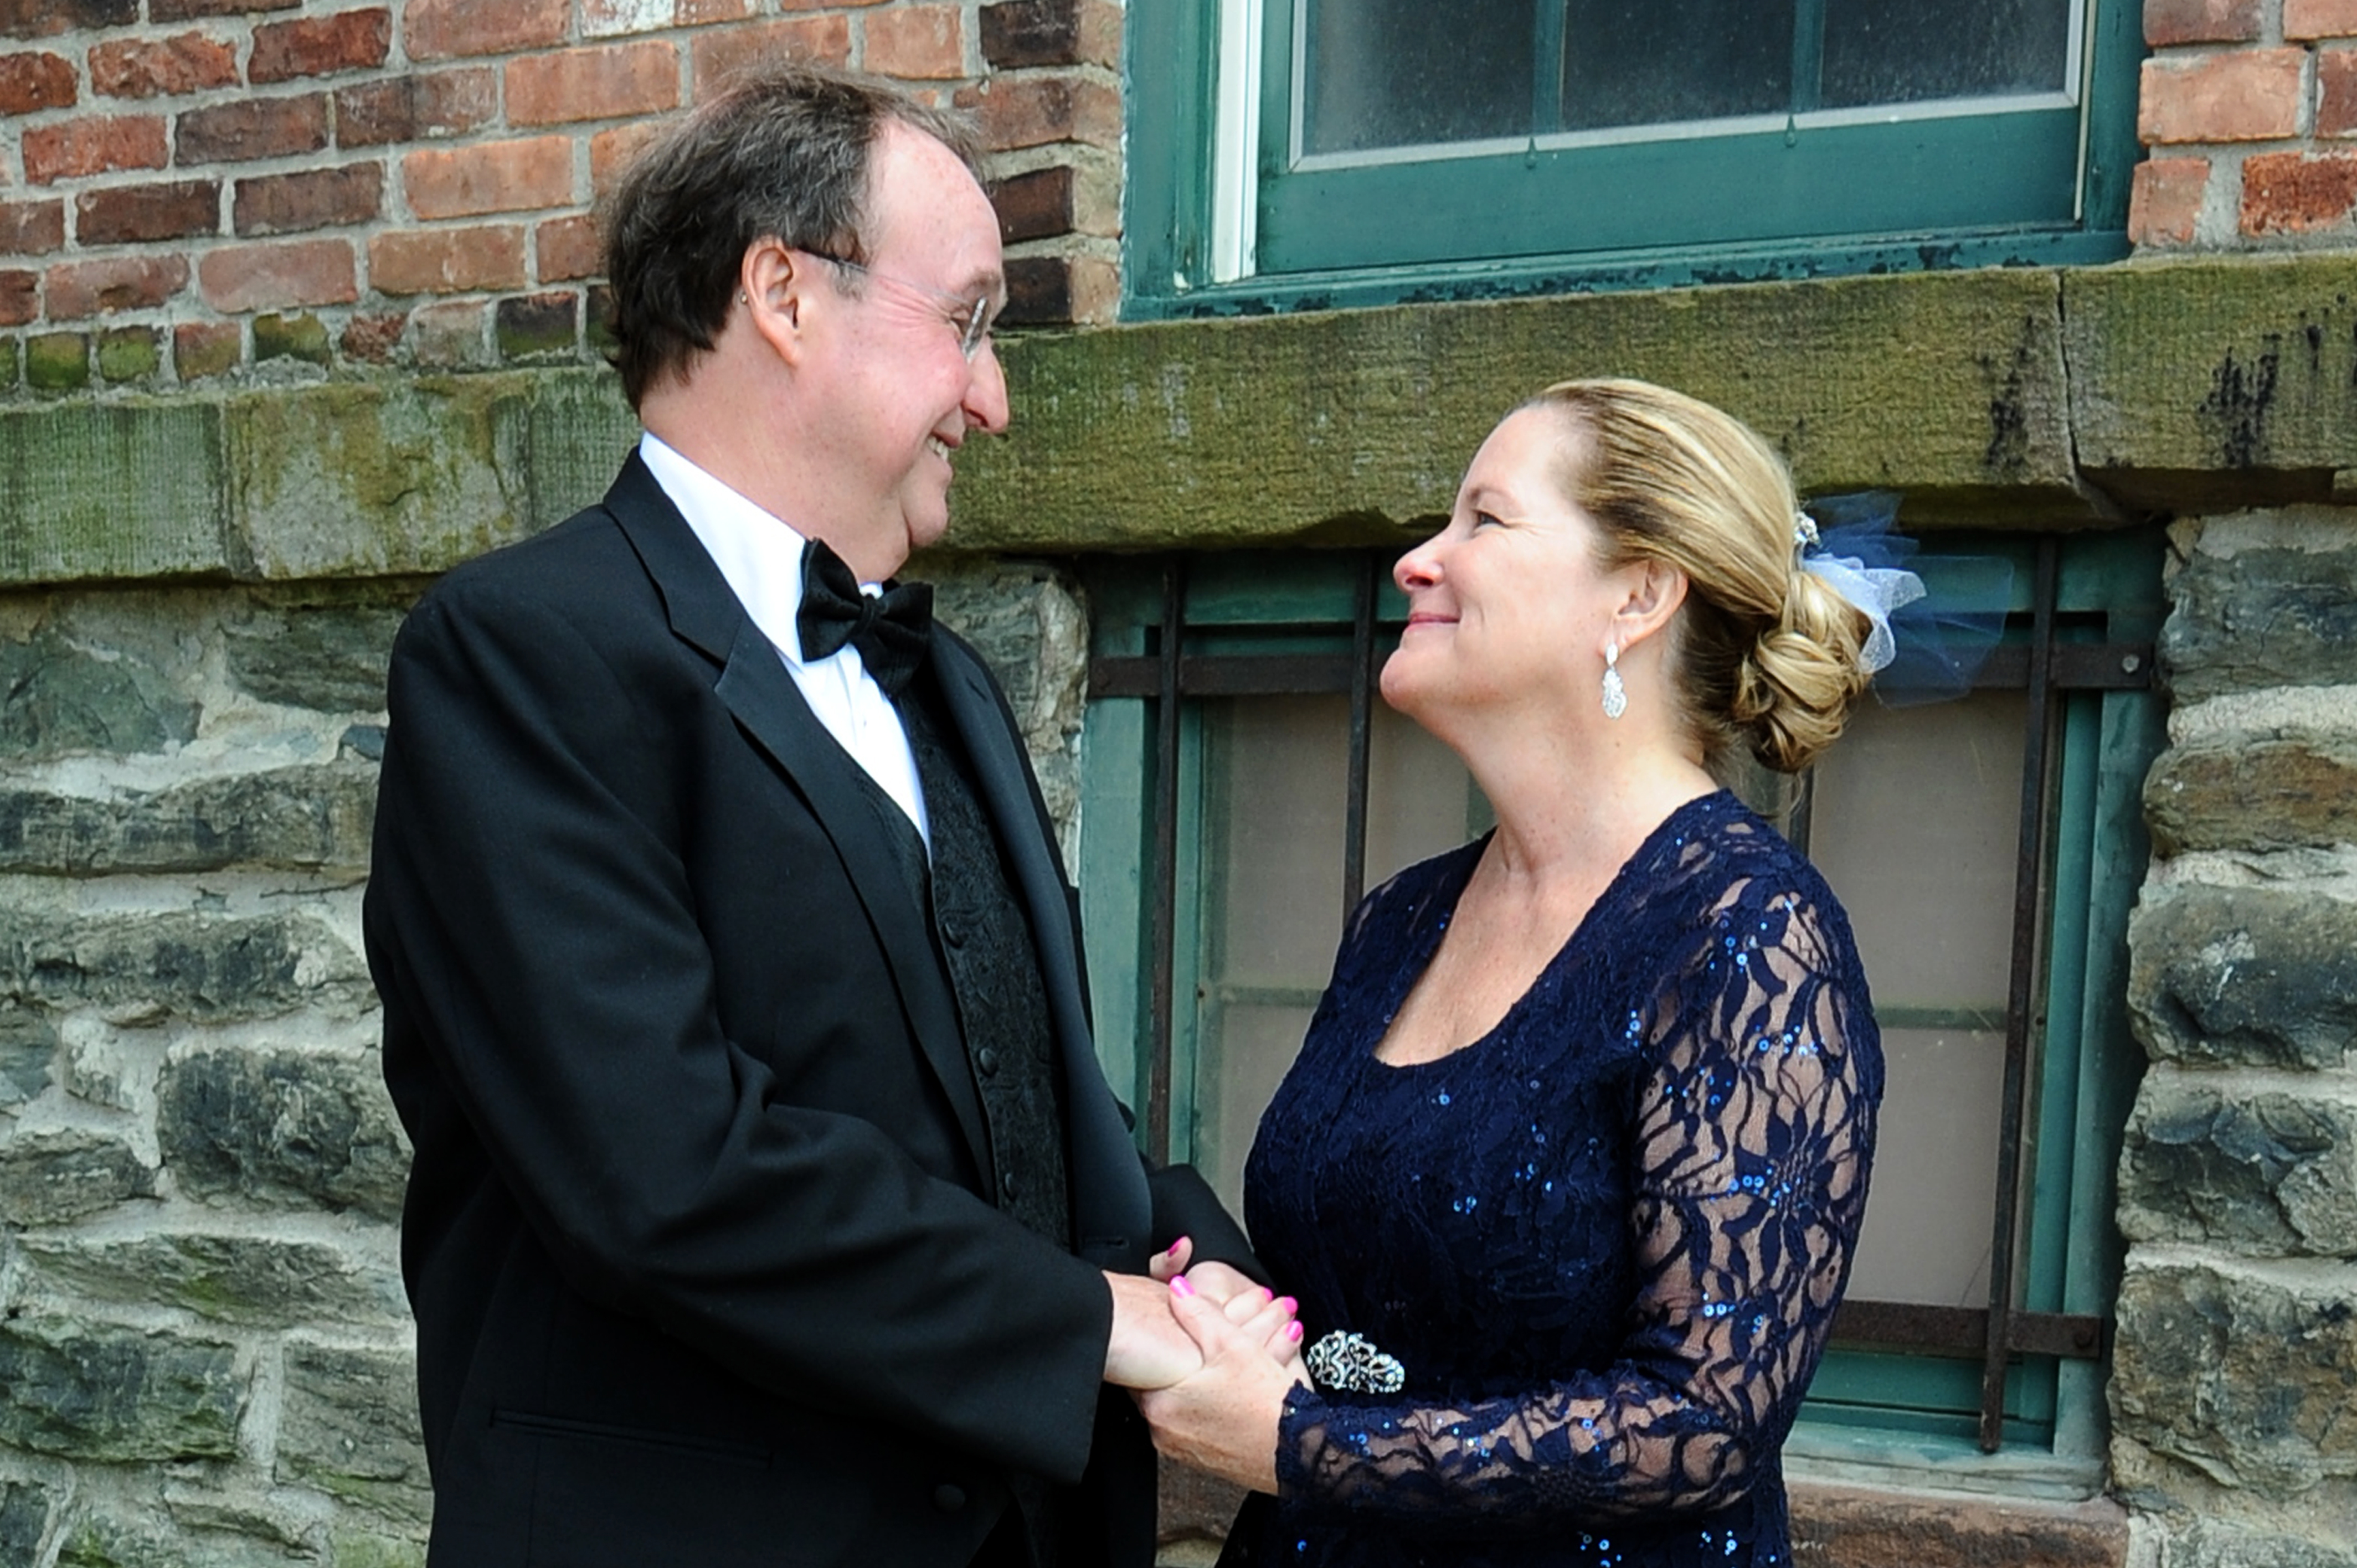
[1568,1173]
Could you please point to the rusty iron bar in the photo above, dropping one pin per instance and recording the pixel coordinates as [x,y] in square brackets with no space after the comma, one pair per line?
[2020,1001]
[2076,667]
[1913,1325]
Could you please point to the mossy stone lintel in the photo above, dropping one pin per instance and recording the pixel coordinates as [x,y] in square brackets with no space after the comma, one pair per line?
[2018,397]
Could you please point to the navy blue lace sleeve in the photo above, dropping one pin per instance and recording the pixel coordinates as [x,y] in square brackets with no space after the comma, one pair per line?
[1749,1107]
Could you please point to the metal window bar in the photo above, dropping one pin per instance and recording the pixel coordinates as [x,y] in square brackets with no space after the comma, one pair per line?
[2044,669]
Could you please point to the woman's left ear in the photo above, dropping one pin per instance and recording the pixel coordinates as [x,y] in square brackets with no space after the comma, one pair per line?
[1656,590]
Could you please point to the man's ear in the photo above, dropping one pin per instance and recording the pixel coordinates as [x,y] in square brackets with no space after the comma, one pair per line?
[1655,591]
[774,283]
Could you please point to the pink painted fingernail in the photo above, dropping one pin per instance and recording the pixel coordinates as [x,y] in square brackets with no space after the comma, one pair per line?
[1287,1302]
[1293,1332]
[1179,1286]
[1175,1246]
[1266,1294]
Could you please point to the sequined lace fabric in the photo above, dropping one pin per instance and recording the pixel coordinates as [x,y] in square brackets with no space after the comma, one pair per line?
[1606,1241]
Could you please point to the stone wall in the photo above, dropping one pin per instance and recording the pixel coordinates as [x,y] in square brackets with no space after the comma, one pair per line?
[192,190]
[205,1352]
[2234,1395]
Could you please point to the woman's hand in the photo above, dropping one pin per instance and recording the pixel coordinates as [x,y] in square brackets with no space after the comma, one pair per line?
[1223,1418]
[1233,1294]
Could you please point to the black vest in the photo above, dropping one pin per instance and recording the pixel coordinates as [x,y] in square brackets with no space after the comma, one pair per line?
[983,940]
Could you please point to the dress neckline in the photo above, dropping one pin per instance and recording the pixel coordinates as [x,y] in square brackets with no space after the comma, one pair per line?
[1442,908]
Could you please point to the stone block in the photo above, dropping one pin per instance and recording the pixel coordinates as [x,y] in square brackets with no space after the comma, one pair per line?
[61,1173]
[102,1539]
[1029,625]
[1854,1526]
[24,1509]
[577,429]
[202,967]
[59,696]
[2260,617]
[2248,1376]
[1354,426]
[254,1280]
[2221,1543]
[102,1395]
[348,1427]
[29,1046]
[2252,975]
[130,354]
[298,337]
[285,1127]
[372,479]
[537,326]
[307,818]
[324,650]
[364,1549]
[2253,792]
[113,490]
[58,361]
[2271,1173]
[2212,382]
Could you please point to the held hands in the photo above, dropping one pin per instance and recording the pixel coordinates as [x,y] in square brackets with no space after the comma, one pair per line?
[1222,1417]
[1149,1349]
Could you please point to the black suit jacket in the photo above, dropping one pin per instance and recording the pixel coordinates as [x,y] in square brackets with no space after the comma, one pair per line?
[697,1233]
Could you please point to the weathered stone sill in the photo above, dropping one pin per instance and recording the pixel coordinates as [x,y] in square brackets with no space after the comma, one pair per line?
[2008,397]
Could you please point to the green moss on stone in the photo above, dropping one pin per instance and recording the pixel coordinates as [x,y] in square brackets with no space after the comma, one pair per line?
[2219,380]
[291,337]
[535,326]
[58,361]
[12,356]
[130,353]
[195,355]
[127,488]
[359,1549]
[1355,425]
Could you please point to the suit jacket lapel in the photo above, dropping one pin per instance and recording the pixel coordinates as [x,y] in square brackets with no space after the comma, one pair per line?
[757,689]
[1111,1210]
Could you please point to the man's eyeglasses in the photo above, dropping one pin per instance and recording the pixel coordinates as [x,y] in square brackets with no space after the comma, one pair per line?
[972,317]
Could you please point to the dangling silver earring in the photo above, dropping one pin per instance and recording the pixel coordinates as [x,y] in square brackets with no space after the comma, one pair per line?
[1616,696]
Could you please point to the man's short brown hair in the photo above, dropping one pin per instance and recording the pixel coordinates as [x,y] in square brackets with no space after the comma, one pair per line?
[783,153]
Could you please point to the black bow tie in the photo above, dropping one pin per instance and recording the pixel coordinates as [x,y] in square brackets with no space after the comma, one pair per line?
[891,632]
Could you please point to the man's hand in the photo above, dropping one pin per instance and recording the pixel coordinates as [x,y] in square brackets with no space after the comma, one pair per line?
[1224,1418]
[1147,1349]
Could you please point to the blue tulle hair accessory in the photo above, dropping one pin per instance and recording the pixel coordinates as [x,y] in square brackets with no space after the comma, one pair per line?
[1929,638]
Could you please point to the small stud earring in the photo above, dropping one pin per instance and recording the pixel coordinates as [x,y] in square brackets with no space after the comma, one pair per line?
[1616,696]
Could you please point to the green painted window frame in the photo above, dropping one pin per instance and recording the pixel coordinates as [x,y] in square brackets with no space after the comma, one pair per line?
[2025,188]
[1867,1405]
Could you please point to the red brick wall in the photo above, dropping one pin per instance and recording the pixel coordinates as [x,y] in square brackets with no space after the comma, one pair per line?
[190,188]
[2248,112]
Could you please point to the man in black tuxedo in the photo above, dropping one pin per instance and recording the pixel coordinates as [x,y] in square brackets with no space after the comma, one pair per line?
[768,1204]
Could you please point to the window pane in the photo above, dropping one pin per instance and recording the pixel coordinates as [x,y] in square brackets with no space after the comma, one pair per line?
[1930,1204]
[1277,770]
[1931,896]
[1929,892]
[1646,62]
[1911,51]
[1398,73]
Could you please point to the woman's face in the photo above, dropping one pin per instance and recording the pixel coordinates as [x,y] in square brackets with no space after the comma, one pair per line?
[1507,606]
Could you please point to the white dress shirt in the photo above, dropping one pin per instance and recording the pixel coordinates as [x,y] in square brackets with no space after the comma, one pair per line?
[761,557]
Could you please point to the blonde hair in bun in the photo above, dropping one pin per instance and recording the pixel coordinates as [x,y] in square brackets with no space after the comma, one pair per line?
[1766,655]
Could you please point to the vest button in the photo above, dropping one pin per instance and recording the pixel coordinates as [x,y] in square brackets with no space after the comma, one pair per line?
[948,1499]
[1006,1184]
[985,1062]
